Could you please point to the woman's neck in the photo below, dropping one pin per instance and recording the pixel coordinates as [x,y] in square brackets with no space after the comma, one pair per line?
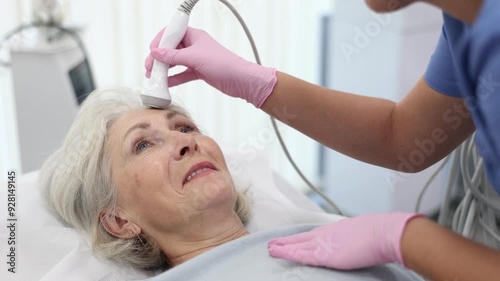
[182,247]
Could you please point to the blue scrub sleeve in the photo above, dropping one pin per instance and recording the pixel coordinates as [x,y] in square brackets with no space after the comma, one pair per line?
[440,73]
[483,71]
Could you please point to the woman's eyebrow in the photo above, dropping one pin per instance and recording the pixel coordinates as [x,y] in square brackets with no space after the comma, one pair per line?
[146,125]
[171,114]
[142,125]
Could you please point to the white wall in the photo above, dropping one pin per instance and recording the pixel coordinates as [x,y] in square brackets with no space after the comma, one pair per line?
[381,55]
[117,34]
[10,16]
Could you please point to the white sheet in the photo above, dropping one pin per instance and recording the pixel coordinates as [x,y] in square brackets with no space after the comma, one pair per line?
[48,250]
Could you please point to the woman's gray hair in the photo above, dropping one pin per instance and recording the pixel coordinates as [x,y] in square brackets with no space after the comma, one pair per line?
[76,180]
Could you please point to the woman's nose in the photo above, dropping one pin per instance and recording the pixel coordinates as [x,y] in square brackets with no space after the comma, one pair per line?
[186,145]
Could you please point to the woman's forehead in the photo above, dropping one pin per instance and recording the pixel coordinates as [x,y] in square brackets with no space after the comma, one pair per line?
[147,112]
[142,115]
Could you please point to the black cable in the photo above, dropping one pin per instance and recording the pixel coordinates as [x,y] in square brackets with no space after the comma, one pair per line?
[63,30]
[23,27]
[8,36]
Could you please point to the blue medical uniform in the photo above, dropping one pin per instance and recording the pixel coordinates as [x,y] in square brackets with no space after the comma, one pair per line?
[466,64]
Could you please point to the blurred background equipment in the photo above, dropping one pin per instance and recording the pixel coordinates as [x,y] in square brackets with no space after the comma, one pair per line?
[51,77]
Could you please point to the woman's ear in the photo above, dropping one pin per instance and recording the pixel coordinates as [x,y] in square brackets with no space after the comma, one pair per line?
[118,225]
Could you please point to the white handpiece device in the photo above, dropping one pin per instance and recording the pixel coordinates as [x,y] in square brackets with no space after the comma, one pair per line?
[156,93]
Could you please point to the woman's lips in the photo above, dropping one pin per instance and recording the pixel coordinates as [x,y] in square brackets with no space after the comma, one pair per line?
[200,174]
[198,170]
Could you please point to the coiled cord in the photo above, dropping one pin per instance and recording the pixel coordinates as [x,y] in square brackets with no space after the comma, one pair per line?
[478,213]
[476,216]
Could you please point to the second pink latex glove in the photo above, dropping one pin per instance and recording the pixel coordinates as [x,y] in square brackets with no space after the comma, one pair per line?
[352,243]
[206,59]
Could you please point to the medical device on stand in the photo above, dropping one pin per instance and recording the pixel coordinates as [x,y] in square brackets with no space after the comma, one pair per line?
[51,77]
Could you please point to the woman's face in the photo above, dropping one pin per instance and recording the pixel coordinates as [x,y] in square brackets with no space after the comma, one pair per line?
[167,173]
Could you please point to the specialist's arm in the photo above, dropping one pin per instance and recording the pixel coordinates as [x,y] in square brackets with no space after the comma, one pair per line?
[374,130]
[409,135]
[440,254]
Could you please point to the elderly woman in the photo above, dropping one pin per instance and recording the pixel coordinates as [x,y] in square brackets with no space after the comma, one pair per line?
[142,182]
[149,190]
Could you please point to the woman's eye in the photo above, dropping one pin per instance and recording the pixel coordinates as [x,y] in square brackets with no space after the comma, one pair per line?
[141,145]
[186,128]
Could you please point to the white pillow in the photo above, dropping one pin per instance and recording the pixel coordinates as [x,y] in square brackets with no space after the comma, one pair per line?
[48,250]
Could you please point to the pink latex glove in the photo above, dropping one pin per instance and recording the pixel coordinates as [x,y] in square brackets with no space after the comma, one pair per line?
[352,243]
[206,59]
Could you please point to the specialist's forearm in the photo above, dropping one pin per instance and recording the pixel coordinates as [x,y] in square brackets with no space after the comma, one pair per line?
[354,125]
[373,130]
[440,254]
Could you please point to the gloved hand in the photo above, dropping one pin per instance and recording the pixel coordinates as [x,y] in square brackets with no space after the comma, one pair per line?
[206,59]
[351,243]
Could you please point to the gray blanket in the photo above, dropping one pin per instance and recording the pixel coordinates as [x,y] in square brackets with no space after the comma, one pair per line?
[247,258]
